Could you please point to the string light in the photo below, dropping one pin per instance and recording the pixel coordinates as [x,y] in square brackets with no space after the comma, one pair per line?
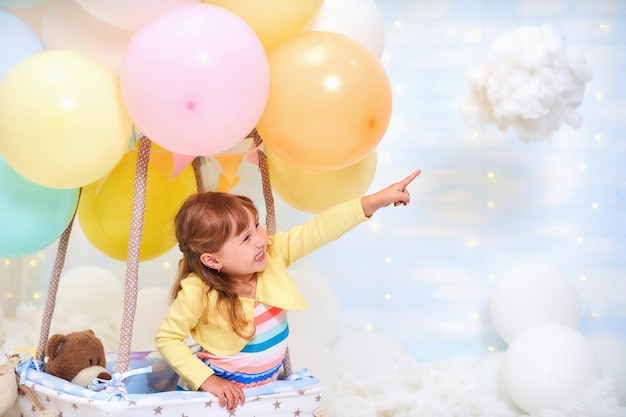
[369,327]
[474,35]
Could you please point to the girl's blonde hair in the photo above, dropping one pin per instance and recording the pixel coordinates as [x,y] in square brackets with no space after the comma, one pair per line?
[204,222]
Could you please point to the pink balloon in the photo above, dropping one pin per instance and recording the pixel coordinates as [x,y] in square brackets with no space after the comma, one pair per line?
[195,79]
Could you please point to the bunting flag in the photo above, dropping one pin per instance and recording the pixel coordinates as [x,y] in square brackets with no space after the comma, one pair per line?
[229,165]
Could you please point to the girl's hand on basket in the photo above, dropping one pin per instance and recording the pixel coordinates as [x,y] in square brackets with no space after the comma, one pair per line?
[229,394]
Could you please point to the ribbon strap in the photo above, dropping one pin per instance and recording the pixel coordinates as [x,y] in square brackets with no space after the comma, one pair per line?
[116,386]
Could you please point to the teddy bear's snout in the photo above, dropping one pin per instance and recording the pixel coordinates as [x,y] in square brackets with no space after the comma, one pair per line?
[104,375]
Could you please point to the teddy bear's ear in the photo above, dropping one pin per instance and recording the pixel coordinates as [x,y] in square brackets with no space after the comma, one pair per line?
[54,345]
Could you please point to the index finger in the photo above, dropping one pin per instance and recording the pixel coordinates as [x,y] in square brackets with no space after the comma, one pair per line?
[410,178]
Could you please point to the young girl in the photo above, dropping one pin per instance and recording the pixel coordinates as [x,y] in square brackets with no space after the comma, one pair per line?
[233,287]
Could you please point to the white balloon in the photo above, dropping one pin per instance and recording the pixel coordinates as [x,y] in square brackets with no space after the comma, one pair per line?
[152,305]
[360,20]
[548,365]
[612,354]
[129,14]
[17,41]
[533,293]
[488,371]
[66,25]
[91,291]
[321,320]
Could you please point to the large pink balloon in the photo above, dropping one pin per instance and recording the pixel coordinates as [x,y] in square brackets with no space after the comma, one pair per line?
[195,79]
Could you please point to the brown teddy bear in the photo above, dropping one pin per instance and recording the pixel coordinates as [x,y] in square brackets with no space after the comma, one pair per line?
[77,357]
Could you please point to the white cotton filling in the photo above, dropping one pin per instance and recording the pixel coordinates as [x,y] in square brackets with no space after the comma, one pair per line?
[530,81]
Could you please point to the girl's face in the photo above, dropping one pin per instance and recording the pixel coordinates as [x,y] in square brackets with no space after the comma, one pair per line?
[244,254]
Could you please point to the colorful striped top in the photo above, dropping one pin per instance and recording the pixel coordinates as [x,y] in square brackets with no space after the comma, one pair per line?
[260,360]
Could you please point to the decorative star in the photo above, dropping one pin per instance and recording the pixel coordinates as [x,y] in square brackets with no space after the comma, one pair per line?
[208,404]
[74,406]
[231,413]
[132,403]
[301,391]
[318,398]
[276,405]
[297,413]
[157,410]
[33,409]
[60,414]
[47,399]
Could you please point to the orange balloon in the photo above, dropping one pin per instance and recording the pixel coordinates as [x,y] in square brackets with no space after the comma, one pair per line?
[315,191]
[105,208]
[329,103]
[273,20]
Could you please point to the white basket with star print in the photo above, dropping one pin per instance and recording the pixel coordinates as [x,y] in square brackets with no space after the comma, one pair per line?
[299,396]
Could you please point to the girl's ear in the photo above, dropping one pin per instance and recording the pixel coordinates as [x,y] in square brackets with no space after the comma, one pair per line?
[208,260]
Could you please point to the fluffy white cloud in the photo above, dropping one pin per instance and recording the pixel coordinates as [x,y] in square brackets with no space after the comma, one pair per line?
[531,81]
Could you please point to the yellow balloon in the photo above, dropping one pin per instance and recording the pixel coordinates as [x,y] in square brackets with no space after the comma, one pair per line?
[273,20]
[314,191]
[105,208]
[63,123]
[329,103]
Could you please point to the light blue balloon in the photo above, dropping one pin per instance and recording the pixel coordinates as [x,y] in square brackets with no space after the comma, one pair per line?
[31,216]
[17,41]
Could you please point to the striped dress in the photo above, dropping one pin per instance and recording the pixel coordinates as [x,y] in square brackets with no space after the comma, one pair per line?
[259,361]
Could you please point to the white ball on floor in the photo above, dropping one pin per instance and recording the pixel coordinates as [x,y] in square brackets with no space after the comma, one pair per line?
[548,365]
[321,320]
[489,382]
[367,354]
[533,293]
[611,352]
[315,357]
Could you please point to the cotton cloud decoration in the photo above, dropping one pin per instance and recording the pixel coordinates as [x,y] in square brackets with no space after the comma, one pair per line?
[531,81]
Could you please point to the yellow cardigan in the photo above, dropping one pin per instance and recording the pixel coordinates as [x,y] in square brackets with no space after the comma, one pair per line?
[275,287]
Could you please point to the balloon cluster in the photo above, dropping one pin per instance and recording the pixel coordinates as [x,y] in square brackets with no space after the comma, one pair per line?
[548,362]
[83,79]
